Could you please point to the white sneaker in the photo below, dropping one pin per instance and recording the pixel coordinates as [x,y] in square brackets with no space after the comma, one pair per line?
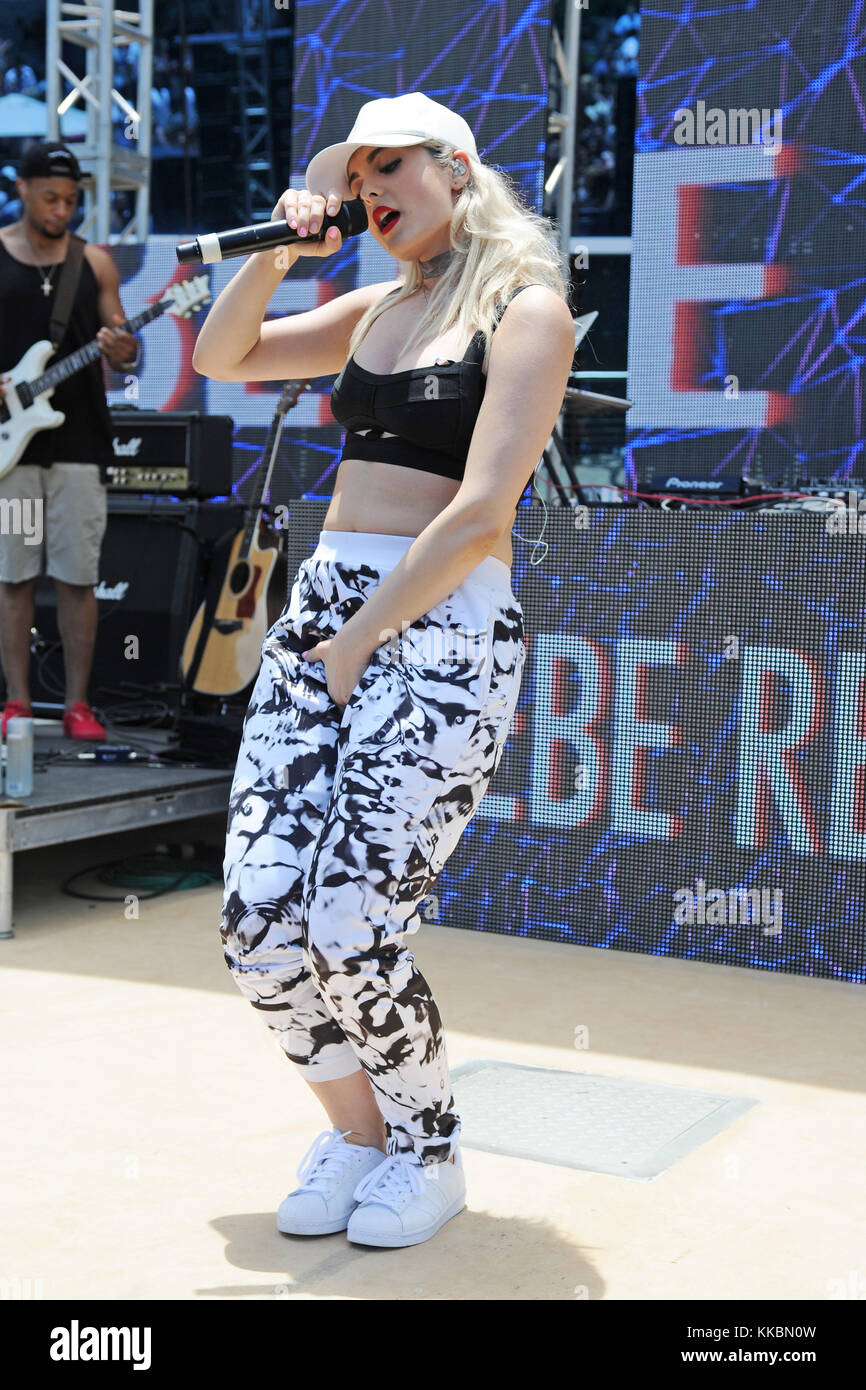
[329,1173]
[402,1203]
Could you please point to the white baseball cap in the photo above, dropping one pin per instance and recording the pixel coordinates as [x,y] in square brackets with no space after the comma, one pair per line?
[388,121]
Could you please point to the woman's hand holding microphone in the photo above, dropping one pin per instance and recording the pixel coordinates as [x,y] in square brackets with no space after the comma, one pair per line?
[305,213]
[235,324]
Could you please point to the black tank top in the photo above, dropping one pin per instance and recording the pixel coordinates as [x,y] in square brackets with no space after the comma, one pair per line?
[429,411]
[25,315]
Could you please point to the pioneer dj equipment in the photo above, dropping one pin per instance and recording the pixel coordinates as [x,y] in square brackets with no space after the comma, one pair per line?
[185,452]
[723,485]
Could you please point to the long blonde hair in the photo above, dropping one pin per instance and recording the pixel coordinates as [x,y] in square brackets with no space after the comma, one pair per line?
[499,244]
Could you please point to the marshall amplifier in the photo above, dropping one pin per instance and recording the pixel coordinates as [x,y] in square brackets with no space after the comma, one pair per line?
[184,452]
[153,573]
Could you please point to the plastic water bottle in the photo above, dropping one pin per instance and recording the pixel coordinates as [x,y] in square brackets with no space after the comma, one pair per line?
[19,757]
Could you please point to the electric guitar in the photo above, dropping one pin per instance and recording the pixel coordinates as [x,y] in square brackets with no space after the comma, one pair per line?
[25,408]
[233,651]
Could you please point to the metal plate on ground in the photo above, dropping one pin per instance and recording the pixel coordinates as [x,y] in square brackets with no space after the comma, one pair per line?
[603,1124]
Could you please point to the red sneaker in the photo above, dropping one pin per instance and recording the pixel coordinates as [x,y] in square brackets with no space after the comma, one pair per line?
[14,709]
[81,723]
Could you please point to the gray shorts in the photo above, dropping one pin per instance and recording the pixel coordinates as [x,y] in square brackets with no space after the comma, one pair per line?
[61,511]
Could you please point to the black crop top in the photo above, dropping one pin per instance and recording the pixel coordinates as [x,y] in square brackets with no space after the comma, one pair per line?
[420,418]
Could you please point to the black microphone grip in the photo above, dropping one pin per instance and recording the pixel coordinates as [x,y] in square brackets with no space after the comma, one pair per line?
[262,236]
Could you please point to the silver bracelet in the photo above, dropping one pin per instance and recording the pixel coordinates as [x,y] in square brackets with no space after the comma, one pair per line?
[127,366]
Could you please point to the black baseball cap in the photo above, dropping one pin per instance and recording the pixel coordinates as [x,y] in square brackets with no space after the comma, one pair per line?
[49,160]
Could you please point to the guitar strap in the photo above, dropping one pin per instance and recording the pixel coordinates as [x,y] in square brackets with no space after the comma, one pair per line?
[66,288]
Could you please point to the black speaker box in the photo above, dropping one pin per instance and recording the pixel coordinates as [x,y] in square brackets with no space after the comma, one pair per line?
[153,573]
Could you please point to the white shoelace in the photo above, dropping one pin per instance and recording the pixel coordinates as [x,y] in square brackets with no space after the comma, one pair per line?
[330,1145]
[389,1181]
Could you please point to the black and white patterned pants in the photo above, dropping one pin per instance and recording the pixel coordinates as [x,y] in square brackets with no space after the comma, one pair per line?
[342,817]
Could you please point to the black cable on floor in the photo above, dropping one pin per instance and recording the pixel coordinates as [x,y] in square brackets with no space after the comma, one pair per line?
[150,871]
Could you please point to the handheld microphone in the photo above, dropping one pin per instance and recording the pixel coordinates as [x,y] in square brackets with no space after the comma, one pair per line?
[217,246]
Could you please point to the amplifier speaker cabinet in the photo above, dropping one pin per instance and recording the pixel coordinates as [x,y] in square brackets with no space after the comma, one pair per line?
[152,577]
[185,452]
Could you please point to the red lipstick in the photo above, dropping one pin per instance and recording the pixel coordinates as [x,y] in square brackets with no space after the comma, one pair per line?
[382,212]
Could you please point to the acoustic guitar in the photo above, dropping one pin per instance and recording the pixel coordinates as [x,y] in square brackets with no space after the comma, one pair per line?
[233,649]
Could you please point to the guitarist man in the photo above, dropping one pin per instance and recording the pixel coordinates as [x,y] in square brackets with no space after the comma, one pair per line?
[65,467]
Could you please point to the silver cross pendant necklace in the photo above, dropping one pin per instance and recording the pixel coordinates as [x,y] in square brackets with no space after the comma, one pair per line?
[47,283]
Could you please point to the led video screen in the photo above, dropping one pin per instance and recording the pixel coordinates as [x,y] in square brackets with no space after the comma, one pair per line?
[686,770]
[487,61]
[166,380]
[346,55]
[747,286]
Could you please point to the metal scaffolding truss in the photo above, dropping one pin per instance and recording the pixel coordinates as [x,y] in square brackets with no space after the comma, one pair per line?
[557,487]
[247,106]
[254,85]
[98,28]
[564,122]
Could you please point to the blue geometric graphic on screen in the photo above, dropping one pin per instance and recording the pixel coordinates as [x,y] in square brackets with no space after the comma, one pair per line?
[775,582]
[486,59]
[808,61]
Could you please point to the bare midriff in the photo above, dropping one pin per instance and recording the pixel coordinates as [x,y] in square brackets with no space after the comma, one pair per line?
[397,501]
[386,497]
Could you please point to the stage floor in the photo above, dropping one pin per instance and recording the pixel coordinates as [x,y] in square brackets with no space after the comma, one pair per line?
[157,1128]
[76,800]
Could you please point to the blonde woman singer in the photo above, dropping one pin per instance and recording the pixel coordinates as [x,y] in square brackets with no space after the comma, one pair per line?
[359,768]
